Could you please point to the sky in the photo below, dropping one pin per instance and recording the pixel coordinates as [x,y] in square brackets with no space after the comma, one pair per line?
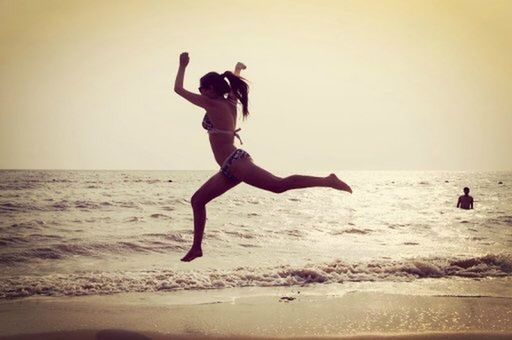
[335,85]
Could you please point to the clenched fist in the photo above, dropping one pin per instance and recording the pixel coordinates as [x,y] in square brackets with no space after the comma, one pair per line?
[184,59]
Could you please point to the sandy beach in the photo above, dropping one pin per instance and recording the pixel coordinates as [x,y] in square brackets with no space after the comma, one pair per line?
[355,315]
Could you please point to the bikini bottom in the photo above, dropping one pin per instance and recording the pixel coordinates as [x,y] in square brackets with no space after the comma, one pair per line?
[233,157]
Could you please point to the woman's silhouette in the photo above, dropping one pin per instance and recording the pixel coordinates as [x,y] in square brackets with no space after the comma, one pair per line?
[236,165]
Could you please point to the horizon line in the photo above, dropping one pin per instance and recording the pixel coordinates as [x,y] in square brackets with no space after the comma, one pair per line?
[276,169]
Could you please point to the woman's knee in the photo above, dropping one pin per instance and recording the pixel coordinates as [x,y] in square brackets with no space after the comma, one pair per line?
[196,201]
[278,186]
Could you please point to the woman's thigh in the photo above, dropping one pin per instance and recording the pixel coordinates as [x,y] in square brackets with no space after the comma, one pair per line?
[250,173]
[212,188]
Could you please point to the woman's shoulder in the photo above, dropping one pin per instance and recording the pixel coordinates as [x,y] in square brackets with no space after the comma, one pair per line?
[232,98]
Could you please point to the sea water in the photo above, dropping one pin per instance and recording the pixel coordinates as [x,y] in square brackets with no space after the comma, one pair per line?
[70,233]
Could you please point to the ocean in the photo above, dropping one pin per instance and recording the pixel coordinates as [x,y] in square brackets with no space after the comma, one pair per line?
[73,233]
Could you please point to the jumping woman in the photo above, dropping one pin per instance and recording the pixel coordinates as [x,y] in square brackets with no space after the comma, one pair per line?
[236,165]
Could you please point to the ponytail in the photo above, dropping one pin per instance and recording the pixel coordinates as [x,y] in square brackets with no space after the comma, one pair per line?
[240,89]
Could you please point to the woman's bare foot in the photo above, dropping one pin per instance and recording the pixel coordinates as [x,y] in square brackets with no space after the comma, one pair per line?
[192,254]
[337,183]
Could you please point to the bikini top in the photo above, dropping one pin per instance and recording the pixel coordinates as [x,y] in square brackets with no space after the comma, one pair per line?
[208,126]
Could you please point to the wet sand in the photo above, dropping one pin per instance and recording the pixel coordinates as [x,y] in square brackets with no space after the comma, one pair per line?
[355,315]
[128,335]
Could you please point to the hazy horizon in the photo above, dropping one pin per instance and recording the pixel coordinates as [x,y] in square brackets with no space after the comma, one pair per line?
[335,85]
[277,170]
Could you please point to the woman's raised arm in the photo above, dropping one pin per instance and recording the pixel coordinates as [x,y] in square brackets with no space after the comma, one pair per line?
[238,67]
[194,98]
[178,83]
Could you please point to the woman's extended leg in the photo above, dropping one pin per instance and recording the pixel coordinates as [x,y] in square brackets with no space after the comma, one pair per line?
[214,187]
[252,174]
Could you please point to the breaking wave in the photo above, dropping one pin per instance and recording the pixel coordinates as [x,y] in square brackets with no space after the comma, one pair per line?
[99,283]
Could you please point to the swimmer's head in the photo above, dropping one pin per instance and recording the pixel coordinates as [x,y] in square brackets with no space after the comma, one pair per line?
[466,190]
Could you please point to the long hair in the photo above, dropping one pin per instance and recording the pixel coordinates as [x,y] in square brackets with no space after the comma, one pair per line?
[237,85]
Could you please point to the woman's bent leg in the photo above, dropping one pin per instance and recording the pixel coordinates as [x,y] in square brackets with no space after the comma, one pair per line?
[214,187]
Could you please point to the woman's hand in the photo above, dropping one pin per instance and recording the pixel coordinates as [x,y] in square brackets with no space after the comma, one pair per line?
[240,66]
[184,59]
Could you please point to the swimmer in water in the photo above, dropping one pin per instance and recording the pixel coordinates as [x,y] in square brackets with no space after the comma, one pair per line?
[465,201]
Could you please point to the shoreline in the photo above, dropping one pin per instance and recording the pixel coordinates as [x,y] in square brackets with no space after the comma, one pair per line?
[354,315]
[117,334]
